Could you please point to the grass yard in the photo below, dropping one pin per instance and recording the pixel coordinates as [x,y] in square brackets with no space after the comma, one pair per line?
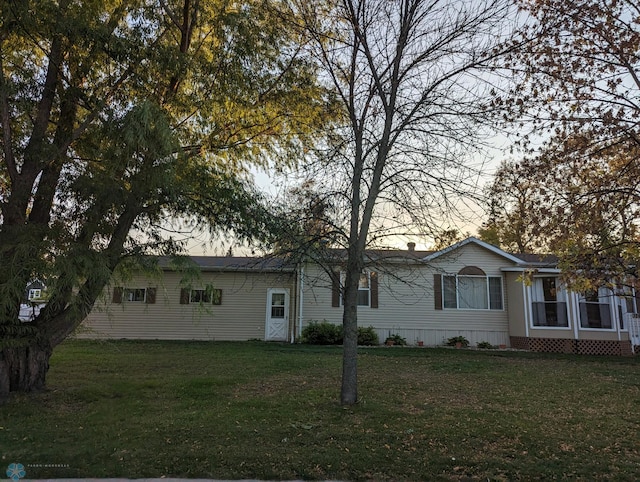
[270,411]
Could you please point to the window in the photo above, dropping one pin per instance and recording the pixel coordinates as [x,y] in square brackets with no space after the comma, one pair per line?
[201,295]
[35,294]
[367,289]
[595,310]
[472,293]
[466,291]
[364,290]
[134,295]
[625,301]
[549,304]
[495,292]
[278,305]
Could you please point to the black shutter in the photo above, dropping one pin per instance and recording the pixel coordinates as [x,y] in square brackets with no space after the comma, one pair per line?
[373,280]
[335,289]
[151,296]
[437,291]
[117,294]
[216,296]
[184,296]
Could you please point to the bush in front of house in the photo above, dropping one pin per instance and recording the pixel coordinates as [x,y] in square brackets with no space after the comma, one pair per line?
[367,336]
[395,339]
[325,333]
[321,333]
[485,345]
[454,340]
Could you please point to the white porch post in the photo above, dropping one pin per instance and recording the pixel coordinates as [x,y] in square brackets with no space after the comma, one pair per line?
[615,313]
[575,313]
[528,314]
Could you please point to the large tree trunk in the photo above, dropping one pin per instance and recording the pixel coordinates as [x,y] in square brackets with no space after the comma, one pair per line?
[349,390]
[24,359]
[24,368]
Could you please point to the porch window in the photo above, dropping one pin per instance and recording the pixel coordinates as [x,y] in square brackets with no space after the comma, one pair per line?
[549,303]
[626,303]
[472,292]
[595,311]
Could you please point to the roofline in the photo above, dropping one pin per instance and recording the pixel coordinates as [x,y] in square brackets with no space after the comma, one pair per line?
[535,269]
[240,269]
[472,239]
[257,267]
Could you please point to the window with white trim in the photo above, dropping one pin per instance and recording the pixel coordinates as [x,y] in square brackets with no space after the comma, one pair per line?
[364,288]
[137,295]
[200,296]
[626,304]
[595,309]
[471,289]
[208,295]
[35,294]
[134,295]
[549,302]
[367,289]
[278,304]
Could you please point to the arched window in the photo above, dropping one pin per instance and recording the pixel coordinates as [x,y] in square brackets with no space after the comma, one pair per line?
[470,289]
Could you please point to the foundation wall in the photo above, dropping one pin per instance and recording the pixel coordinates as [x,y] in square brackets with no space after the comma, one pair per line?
[579,347]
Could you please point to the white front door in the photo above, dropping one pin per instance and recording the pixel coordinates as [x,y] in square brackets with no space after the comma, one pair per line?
[277,322]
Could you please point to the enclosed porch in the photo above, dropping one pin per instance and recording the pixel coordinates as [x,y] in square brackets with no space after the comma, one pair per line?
[555,319]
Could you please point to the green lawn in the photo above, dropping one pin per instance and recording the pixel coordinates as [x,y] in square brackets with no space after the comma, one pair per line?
[270,411]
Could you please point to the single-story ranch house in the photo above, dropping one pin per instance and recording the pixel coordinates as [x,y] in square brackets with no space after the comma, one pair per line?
[470,289]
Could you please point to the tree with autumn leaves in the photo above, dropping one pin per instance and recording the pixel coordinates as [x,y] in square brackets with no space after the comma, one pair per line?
[579,87]
[511,202]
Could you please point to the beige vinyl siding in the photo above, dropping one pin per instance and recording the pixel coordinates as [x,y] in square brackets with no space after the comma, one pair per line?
[514,289]
[471,255]
[561,333]
[240,316]
[406,301]
[601,335]
[412,294]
